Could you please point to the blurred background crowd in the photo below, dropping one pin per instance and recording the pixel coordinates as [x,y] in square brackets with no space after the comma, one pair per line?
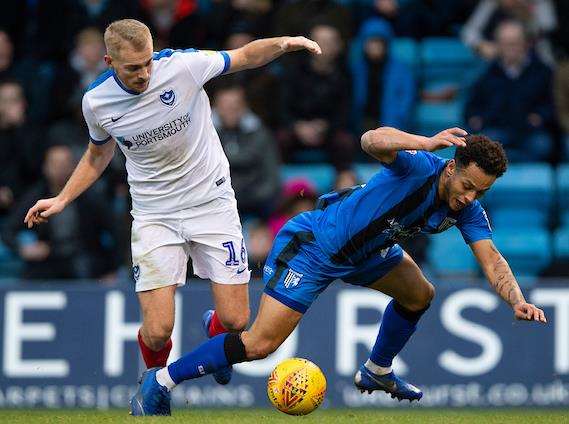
[291,129]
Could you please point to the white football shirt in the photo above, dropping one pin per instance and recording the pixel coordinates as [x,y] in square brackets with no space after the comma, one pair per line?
[174,158]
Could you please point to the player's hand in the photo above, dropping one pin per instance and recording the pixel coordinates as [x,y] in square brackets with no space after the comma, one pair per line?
[42,210]
[291,44]
[528,312]
[447,138]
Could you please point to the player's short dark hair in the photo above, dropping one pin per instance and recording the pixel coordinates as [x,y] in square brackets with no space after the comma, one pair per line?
[489,155]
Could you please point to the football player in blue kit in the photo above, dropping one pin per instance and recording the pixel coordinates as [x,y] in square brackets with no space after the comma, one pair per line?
[353,235]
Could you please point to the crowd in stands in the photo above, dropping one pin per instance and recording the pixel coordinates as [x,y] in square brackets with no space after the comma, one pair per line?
[301,110]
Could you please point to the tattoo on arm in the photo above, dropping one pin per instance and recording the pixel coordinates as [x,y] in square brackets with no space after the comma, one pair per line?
[503,281]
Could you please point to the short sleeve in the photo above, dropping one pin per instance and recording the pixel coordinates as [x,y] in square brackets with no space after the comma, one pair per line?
[97,135]
[205,64]
[413,162]
[473,223]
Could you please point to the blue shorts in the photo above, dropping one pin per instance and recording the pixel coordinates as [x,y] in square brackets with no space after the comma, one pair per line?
[297,270]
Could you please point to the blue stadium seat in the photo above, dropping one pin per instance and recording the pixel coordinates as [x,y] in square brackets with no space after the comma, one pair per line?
[563,186]
[430,118]
[364,171]
[524,186]
[527,251]
[561,242]
[405,50]
[321,175]
[565,216]
[448,254]
[10,265]
[447,59]
[524,217]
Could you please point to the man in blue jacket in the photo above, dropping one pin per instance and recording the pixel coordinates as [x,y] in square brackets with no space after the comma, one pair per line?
[383,87]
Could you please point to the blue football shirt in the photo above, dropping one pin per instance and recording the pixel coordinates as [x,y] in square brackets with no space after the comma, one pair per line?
[398,202]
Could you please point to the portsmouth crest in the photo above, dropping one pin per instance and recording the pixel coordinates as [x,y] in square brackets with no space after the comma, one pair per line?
[124,142]
[168,97]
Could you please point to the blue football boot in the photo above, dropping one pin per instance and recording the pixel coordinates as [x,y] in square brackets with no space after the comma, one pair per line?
[151,398]
[223,375]
[365,380]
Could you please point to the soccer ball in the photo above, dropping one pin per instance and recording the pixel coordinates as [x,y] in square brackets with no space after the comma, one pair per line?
[296,386]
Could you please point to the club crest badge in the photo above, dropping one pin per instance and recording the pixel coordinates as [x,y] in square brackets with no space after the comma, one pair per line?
[292,279]
[446,224]
[168,97]
[136,272]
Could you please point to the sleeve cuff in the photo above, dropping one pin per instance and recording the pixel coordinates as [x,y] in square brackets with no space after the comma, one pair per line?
[226,62]
[99,142]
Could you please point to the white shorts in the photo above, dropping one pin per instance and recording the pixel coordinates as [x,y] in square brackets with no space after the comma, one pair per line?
[210,234]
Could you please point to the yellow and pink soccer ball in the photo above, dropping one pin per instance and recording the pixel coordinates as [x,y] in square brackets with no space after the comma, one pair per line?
[296,386]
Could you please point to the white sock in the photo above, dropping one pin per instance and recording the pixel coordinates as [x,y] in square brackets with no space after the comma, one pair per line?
[374,368]
[163,378]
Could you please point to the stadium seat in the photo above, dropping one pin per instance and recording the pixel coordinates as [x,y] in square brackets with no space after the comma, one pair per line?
[364,171]
[561,242]
[430,118]
[526,217]
[405,50]
[10,265]
[523,186]
[447,59]
[448,254]
[321,175]
[527,251]
[563,186]
[565,216]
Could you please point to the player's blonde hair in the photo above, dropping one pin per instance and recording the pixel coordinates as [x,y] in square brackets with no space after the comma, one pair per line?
[130,30]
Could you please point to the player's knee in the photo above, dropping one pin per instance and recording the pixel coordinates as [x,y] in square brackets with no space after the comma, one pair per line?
[235,323]
[422,298]
[158,334]
[429,294]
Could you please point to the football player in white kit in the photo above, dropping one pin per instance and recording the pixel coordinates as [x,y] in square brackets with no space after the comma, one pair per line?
[153,105]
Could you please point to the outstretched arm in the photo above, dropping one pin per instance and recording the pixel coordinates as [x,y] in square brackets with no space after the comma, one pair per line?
[384,143]
[260,52]
[502,280]
[89,169]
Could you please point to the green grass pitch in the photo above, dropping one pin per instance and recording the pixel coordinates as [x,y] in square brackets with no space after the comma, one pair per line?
[266,416]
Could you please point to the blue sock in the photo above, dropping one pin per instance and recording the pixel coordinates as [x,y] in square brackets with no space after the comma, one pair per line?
[397,326]
[205,359]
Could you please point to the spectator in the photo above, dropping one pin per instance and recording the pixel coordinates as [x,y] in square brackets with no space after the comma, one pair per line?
[6,56]
[70,245]
[34,77]
[299,195]
[345,180]
[560,37]
[232,16]
[251,151]
[100,13]
[84,65]
[383,88]
[20,142]
[299,16]
[561,92]
[512,101]
[316,103]
[259,242]
[417,18]
[261,84]
[174,23]
[537,16]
